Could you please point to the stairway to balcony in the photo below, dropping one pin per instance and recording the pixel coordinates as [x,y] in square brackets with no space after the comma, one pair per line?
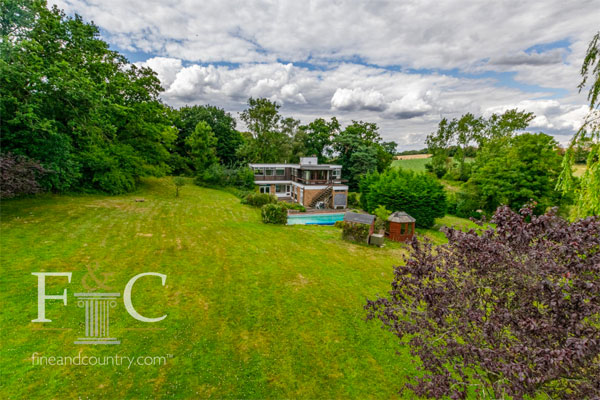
[324,196]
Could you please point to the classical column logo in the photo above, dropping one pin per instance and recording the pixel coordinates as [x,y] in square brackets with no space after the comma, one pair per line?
[97,317]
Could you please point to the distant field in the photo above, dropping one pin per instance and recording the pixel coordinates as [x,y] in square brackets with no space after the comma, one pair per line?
[412,156]
[418,164]
[414,164]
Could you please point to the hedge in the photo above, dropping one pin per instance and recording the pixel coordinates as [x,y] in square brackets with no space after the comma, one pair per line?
[420,195]
[259,199]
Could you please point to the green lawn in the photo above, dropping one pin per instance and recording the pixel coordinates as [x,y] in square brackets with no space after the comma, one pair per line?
[254,310]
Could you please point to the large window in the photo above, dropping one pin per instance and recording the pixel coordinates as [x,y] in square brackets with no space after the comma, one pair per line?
[279,188]
[259,171]
[336,173]
[269,171]
[265,189]
[280,172]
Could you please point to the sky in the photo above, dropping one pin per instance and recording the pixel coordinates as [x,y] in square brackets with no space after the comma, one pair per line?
[402,64]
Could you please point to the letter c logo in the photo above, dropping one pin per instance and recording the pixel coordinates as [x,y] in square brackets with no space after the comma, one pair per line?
[127,297]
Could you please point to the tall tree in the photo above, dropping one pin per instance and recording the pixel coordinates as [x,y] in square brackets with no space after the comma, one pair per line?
[318,137]
[359,149]
[587,190]
[87,115]
[269,142]
[201,147]
[515,171]
[222,124]
[462,133]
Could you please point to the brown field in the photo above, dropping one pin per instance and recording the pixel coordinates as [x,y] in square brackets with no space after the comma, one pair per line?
[413,156]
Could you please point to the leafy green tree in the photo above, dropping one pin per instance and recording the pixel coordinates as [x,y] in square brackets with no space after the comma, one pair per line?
[222,124]
[438,144]
[515,171]
[179,182]
[420,195]
[269,142]
[360,150]
[505,124]
[92,119]
[318,137]
[457,137]
[201,147]
[587,191]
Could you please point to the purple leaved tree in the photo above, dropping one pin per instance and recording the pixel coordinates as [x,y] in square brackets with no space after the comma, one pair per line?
[19,175]
[508,311]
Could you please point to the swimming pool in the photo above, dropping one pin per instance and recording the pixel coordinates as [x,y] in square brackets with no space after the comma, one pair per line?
[314,219]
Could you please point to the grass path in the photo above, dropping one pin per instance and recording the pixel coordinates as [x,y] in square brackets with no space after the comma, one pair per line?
[254,310]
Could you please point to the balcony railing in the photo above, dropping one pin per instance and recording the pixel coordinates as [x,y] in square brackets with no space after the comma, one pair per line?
[272,178]
[299,179]
[317,181]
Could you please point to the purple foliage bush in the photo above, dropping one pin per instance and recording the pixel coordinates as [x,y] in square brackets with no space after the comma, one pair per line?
[19,175]
[512,310]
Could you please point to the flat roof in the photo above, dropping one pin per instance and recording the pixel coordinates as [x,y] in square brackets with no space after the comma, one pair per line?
[304,166]
[359,218]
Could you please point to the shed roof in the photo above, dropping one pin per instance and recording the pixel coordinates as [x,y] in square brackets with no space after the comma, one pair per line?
[401,217]
[359,218]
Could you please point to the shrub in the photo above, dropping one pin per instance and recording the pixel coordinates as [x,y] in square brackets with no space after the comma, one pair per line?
[451,203]
[211,176]
[382,215]
[19,175]
[511,311]
[259,199]
[338,224]
[355,232]
[294,206]
[274,213]
[420,195]
[352,199]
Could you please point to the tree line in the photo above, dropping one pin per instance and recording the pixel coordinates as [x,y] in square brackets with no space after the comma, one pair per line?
[77,116]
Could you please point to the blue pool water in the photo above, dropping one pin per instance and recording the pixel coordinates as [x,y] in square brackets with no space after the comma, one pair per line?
[314,219]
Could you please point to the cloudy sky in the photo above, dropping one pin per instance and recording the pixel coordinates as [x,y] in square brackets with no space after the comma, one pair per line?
[403,64]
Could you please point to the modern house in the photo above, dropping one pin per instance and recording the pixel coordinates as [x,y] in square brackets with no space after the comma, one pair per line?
[309,183]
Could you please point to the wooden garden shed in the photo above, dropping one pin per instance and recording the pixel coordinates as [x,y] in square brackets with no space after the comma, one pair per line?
[401,227]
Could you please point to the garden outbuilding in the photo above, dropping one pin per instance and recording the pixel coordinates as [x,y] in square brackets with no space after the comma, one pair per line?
[358,227]
[401,226]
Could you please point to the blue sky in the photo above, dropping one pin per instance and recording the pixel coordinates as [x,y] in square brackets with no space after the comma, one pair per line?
[403,65]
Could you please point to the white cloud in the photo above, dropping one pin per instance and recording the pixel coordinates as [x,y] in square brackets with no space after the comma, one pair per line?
[165,68]
[409,106]
[195,47]
[357,99]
